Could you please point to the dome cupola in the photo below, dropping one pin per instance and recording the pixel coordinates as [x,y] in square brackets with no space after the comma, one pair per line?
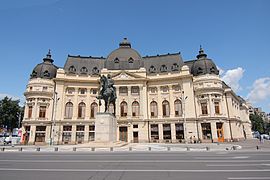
[46,70]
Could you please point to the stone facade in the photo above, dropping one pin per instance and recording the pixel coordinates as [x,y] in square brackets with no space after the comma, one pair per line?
[164,102]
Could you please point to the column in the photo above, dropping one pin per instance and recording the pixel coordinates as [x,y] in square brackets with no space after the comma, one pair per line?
[173,132]
[171,101]
[73,134]
[129,101]
[35,109]
[160,132]
[32,135]
[144,104]
[75,105]
[117,103]
[159,102]
[86,133]
[214,131]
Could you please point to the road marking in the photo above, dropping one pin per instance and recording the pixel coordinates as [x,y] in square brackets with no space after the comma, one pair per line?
[134,161]
[248,178]
[138,170]
[241,157]
[237,165]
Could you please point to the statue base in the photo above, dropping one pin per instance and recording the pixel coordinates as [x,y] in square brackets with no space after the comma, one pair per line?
[105,128]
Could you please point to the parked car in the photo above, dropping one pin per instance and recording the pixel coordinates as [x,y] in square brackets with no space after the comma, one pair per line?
[256,134]
[266,136]
[7,140]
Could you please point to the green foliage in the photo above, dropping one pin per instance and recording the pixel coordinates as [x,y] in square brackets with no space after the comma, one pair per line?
[257,123]
[10,112]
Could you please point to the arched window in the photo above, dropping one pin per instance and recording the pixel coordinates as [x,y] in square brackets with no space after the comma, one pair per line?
[94,109]
[46,74]
[152,69]
[72,69]
[135,109]
[175,67]
[84,70]
[154,109]
[81,110]
[69,110]
[95,71]
[163,68]
[123,107]
[178,107]
[166,108]
[130,60]
[116,60]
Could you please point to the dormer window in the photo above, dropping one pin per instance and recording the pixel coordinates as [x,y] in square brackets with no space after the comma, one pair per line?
[175,67]
[72,69]
[116,60]
[213,70]
[163,68]
[130,60]
[34,74]
[152,69]
[46,74]
[84,70]
[200,70]
[95,71]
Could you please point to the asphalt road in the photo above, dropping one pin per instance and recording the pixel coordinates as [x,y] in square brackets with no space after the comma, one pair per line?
[135,165]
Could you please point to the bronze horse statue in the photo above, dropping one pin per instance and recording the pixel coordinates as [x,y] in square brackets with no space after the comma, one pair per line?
[107,92]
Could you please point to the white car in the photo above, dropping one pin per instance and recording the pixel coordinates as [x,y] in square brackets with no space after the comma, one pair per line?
[7,140]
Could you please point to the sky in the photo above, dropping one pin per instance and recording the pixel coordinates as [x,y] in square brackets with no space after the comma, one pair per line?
[234,34]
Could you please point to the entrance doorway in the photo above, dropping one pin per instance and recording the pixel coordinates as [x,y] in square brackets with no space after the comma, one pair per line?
[135,137]
[220,133]
[123,134]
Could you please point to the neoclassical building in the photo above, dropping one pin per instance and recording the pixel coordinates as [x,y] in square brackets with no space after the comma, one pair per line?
[159,99]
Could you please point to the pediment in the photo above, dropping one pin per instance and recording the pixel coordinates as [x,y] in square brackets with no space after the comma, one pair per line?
[125,76]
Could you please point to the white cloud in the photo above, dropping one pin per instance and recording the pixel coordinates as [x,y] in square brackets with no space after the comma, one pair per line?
[221,71]
[260,90]
[232,78]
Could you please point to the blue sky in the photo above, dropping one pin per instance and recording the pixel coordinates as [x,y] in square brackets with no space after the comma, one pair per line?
[235,34]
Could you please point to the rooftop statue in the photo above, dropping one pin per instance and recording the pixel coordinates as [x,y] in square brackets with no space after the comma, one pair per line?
[107,92]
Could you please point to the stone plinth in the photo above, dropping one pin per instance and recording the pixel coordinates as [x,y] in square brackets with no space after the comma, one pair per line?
[105,128]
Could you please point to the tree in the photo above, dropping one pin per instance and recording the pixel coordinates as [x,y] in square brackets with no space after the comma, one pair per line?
[10,113]
[257,123]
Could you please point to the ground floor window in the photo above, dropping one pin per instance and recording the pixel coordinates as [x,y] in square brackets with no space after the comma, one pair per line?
[66,136]
[92,133]
[40,134]
[79,134]
[154,132]
[167,131]
[206,131]
[179,131]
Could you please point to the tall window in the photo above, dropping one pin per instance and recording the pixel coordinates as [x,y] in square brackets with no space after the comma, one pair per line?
[69,110]
[206,131]
[123,107]
[204,108]
[166,108]
[154,132]
[42,111]
[30,110]
[94,109]
[135,109]
[217,109]
[178,107]
[153,109]
[167,131]
[81,110]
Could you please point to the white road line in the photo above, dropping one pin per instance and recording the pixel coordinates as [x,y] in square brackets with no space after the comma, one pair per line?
[249,178]
[231,165]
[135,161]
[138,170]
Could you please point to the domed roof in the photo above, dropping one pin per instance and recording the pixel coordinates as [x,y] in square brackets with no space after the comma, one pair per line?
[46,69]
[203,65]
[124,57]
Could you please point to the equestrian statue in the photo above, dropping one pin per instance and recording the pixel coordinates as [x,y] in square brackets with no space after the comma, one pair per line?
[107,92]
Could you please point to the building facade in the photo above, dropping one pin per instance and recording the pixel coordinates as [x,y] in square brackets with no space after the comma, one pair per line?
[159,99]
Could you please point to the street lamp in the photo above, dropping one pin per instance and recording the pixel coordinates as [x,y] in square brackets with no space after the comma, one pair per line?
[55,99]
[183,100]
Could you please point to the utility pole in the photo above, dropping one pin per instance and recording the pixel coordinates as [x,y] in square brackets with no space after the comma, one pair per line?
[55,100]
[183,100]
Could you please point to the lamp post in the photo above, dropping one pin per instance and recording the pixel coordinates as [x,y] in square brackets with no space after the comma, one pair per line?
[183,100]
[55,99]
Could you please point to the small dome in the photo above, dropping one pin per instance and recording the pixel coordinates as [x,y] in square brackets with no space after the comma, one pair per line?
[46,69]
[203,65]
[124,57]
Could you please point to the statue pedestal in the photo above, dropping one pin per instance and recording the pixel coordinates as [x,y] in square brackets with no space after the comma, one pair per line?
[105,128]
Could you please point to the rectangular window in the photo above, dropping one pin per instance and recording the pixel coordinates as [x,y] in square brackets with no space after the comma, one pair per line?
[30,109]
[92,133]
[94,91]
[80,128]
[135,90]
[44,88]
[123,91]
[179,129]
[135,126]
[167,131]
[82,91]
[154,132]
[66,135]
[217,109]
[79,134]
[206,131]
[204,108]
[40,134]
[42,111]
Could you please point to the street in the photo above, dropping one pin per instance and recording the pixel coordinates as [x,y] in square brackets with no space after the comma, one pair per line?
[135,165]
